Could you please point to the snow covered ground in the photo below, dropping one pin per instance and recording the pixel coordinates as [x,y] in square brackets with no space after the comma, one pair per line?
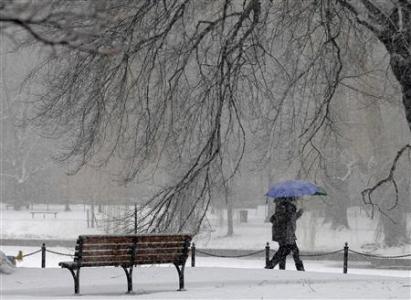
[212,278]
[201,283]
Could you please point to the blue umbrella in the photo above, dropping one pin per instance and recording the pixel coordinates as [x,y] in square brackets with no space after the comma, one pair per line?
[294,188]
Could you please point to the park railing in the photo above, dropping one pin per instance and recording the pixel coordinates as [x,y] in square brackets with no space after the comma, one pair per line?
[194,251]
[43,250]
[345,250]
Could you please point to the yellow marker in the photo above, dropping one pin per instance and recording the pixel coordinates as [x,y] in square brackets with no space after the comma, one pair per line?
[19,256]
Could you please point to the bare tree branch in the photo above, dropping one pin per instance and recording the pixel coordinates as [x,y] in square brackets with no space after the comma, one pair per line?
[390,179]
[181,87]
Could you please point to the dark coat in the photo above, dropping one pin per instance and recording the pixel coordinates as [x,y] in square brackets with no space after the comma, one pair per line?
[284,222]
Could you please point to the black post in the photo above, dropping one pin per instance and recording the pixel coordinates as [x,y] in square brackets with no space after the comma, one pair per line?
[345,267]
[193,255]
[135,218]
[43,255]
[267,254]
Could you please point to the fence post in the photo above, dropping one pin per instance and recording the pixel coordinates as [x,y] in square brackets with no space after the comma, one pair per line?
[193,255]
[345,267]
[43,255]
[267,254]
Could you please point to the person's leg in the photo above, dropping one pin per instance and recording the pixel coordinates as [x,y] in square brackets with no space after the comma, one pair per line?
[296,255]
[282,263]
[279,256]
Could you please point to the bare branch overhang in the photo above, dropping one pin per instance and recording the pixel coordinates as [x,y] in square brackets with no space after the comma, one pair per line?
[367,22]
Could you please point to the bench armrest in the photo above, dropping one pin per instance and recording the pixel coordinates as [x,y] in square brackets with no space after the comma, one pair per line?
[69,264]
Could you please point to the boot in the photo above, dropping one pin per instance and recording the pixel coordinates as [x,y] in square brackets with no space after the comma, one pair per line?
[270,265]
[299,265]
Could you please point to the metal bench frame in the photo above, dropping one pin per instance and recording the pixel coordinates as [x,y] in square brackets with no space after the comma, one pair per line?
[127,251]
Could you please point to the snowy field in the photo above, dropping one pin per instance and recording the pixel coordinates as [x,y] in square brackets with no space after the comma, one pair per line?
[212,278]
[312,234]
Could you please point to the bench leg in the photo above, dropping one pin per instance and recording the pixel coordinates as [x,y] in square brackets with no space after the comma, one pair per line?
[180,276]
[76,276]
[129,275]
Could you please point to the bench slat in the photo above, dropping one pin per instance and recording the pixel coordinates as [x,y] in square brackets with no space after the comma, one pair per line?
[127,245]
[127,263]
[174,251]
[122,258]
[127,258]
[131,238]
[86,253]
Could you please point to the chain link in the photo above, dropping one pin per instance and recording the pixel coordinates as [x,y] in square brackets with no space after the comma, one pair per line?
[31,253]
[230,256]
[379,256]
[59,253]
[321,254]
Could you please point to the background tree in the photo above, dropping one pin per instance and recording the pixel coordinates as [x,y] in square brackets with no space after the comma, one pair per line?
[22,156]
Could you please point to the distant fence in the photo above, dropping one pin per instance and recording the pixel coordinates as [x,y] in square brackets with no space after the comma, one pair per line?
[267,252]
[36,242]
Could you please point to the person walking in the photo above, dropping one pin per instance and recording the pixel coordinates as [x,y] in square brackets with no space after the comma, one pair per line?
[284,223]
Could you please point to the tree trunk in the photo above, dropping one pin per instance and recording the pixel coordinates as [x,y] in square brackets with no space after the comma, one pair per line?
[336,175]
[406,99]
[395,234]
[336,214]
[395,227]
[220,217]
[397,40]
[230,226]
[20,197]
[337,205]
[92,215]
[401,67]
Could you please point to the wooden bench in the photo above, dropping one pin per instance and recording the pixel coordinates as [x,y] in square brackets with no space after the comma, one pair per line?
[127,251]
[44,213]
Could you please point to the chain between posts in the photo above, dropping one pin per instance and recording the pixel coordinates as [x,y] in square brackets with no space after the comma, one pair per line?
[379,256]
[230,256]
[346,251]
[321,254]
[59,253]
[31,253]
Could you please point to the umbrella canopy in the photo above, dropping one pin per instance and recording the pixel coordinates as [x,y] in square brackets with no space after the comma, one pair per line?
[294,188]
